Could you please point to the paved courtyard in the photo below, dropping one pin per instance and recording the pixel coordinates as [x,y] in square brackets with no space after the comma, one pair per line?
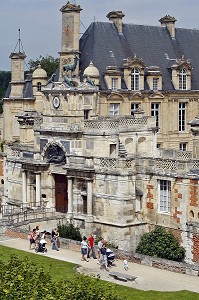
[148,278]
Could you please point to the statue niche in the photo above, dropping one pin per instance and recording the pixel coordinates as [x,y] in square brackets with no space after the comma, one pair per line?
[55,154]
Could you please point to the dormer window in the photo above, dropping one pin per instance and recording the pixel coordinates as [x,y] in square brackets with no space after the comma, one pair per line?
[181,74]
[134,69]
[182,79]
[155,83]
[114,84]
[135,79]
[39,86]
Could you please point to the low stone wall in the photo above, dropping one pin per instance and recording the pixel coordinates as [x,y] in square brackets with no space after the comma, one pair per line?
[178,267]
[165,264]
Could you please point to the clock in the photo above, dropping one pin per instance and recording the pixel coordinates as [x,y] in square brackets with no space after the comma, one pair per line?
[56,102]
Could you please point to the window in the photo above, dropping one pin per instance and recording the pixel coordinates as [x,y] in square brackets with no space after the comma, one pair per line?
[182,79]
[114,84]
[114,109]
[86,114]
[134,106]
[39,86]
[158,146]
[135,79]
[155,112]
[183,146]
[164,188]
[113,150]
[155,84]
[182,116]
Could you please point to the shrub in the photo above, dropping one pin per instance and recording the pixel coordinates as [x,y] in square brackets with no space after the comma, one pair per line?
[69,231]
[24,280]
[161,243]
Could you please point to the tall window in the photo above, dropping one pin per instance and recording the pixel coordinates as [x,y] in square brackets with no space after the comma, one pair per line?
[155,84]
[183,146]
[135,79]
[164,187]
[114,84]
[183,79]
[182,116]
[39,86]
[134,106]
[155,112]
[114,109]
[86,114]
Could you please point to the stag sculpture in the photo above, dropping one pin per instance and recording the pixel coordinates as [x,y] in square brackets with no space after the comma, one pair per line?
[71,67]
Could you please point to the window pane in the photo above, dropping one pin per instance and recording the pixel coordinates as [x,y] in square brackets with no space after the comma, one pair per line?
[164,195]
[114,109]
[135,79]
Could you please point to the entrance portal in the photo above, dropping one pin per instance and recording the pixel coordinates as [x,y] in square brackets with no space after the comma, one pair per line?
[61,193]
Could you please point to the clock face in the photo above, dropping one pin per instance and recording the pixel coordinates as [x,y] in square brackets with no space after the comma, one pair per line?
[56,102]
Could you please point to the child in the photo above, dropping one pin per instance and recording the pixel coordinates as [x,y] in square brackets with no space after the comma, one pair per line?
[126,267]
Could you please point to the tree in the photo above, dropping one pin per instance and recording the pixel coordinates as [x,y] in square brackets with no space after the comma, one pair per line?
[25,280]
[5,77]
[161,243]
[48,63]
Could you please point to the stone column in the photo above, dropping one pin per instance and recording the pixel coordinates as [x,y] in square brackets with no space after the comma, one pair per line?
[89,217]
[70,197]
[24,187]
[38,189]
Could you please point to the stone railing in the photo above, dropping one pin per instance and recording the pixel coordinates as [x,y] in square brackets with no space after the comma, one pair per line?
[175,154]
[119,123]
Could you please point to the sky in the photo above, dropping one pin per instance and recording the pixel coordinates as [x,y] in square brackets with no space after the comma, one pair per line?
[40,21]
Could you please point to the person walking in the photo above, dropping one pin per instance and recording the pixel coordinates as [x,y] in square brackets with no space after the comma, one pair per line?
[91,246]
[54,237]
[33,237]
[99,246]
[103,256]
[84,249]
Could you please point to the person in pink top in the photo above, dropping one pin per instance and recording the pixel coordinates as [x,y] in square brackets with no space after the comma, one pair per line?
[33,237]
[91,246]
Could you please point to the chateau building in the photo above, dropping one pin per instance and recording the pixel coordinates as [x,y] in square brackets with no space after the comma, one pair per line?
[111,140]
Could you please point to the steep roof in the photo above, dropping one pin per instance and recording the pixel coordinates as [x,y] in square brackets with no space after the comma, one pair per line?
[104,46]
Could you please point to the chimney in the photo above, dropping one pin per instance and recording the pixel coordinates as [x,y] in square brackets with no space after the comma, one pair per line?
[169,22]
[17,74]
[116,17]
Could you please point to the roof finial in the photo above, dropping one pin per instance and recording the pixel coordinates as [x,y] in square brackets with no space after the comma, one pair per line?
[19,43]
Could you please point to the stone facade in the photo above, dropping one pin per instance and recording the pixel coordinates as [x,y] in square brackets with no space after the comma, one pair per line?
[63,151]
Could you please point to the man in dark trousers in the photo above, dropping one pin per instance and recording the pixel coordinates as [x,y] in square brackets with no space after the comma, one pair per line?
[91,246]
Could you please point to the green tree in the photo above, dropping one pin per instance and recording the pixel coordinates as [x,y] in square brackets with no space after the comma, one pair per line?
[161,243]
[5,77]
[48,63]
[24,280]
[69,231]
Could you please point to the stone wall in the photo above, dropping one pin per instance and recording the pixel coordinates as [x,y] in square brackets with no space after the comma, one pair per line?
[178,267]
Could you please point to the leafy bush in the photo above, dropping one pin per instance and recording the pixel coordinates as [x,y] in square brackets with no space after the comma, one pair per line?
[161,243]
[69,231]
[23,280]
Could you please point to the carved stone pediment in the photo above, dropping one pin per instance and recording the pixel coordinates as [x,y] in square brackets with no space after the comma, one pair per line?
[182,63]
[156,95]
[133,62]
[115,96]
[136,95]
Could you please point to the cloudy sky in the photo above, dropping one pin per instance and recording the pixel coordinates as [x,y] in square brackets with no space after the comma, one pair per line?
[40,21]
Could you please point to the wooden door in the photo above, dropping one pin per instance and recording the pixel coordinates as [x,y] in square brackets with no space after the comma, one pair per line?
[61,193]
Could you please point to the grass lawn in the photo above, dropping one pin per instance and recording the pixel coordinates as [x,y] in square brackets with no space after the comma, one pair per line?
[60,270]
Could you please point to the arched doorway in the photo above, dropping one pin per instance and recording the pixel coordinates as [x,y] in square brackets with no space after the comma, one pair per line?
[61,193]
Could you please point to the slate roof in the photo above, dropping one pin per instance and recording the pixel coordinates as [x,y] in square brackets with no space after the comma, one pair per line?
[150,43]
[27,90]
